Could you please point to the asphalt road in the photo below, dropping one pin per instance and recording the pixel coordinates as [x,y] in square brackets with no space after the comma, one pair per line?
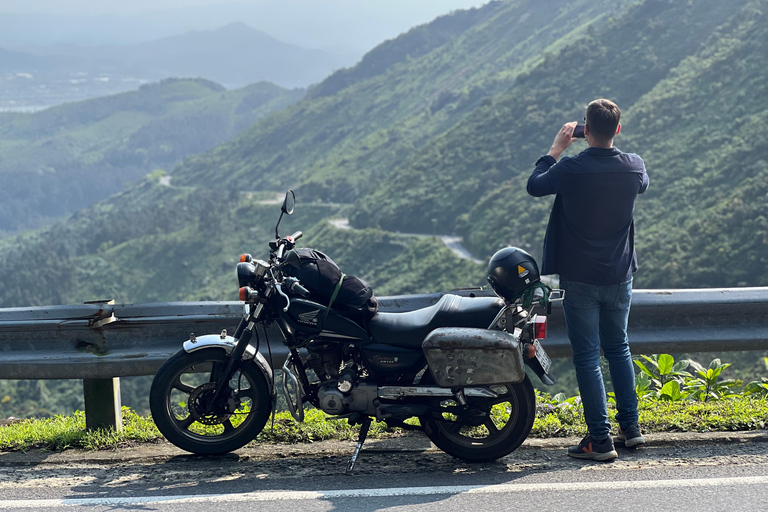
[681,472]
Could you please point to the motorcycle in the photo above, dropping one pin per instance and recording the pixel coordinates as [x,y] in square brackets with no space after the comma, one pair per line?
[458,366]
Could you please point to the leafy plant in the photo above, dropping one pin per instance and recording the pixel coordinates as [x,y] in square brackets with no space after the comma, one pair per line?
[758,387]
[662,378]
[706,383]
[671,391]
[661,369]
[643,387]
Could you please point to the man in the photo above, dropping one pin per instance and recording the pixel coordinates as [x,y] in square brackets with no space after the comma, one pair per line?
[590,244]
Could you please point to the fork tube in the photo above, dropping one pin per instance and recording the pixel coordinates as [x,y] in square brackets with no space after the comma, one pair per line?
[237,352]
[241,326]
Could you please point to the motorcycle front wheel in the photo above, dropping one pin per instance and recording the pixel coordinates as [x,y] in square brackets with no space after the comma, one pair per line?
[183,412]
[500,424]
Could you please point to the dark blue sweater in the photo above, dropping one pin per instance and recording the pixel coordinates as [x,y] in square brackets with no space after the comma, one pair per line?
[591,234]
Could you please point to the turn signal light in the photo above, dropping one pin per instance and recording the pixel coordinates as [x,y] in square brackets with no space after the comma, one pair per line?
[246,294]
[529,350]
[540,327]
[246,258]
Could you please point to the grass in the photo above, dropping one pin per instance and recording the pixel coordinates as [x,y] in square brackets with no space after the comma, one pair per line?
[742,413]
[565,419]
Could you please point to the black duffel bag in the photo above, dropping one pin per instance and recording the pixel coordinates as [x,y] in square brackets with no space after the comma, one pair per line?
[321,276]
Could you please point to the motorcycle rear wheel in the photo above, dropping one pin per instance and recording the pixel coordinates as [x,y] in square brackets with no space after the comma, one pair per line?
[491,437]
[178,395]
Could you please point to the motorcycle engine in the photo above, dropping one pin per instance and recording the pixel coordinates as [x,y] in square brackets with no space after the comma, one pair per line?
[335,395]
[339,390]
[325,360]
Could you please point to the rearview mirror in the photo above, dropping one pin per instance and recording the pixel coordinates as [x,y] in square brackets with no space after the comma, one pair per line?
[289,202]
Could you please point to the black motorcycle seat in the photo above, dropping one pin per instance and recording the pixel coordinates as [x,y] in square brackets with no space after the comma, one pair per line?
[410,328]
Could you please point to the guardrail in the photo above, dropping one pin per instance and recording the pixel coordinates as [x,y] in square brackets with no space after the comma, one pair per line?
[101,342]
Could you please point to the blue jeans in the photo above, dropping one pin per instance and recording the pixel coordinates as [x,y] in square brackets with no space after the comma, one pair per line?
[596,316]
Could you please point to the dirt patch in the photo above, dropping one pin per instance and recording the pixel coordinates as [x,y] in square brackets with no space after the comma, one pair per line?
[162,467]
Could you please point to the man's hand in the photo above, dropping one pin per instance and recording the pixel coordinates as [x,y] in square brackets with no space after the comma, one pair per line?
[563,139]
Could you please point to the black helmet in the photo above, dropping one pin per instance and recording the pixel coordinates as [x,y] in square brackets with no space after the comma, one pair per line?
[511,271]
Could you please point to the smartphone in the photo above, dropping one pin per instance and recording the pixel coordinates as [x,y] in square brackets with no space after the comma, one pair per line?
[578,132]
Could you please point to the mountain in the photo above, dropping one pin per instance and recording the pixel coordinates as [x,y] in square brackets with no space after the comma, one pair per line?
[437,131]
[350,25]
[11,62]
[234,55]
[59,160]
[693,92]
[355,126]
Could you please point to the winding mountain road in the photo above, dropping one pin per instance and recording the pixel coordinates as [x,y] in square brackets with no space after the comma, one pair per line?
[454,243]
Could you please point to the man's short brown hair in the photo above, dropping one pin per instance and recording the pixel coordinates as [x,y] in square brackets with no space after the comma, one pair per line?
[603,119]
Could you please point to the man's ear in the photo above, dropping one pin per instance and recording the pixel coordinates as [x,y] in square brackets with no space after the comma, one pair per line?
[618,130]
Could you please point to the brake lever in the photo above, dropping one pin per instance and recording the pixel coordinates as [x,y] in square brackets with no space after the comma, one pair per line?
[279,289]
[287,299]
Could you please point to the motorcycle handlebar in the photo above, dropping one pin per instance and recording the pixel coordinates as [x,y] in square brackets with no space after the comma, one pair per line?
[285,243]
[296,288]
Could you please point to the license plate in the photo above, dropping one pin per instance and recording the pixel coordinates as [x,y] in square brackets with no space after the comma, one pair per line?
[542,357]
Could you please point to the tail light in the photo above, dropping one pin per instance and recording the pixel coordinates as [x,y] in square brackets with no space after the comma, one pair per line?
[540,327]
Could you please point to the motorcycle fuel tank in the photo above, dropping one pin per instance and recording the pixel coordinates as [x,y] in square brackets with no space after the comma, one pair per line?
[307,317]
[459,357]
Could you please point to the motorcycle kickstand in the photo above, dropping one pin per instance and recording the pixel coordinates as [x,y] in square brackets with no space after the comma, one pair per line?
[360,440]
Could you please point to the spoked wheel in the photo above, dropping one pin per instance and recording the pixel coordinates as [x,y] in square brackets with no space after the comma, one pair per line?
[494,428]
[181,403]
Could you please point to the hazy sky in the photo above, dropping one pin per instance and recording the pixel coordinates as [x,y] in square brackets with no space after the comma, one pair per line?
[406,8]
[355,25]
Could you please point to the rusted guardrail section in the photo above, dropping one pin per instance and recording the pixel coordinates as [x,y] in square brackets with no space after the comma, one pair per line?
[101,342]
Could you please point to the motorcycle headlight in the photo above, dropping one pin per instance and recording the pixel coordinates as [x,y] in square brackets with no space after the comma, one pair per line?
[249,273]
[245,274]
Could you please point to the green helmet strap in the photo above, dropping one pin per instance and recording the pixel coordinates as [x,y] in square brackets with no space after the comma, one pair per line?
[528,295]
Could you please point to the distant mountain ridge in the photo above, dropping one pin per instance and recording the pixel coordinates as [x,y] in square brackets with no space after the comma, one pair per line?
[234,55]
[58,160]
[11,61]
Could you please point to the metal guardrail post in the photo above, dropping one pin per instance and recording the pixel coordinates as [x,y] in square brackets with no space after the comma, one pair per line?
[103,405]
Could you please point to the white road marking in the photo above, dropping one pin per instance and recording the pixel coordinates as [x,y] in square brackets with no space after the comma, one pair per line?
[388,492]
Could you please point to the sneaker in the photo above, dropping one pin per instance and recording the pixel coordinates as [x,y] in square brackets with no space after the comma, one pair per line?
[630,436]
[588,448]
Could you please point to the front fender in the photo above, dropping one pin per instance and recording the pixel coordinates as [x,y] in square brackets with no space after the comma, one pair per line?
[228,344]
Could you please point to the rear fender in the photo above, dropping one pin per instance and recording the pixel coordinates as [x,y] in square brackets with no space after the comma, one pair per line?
[545,377]
[227,343]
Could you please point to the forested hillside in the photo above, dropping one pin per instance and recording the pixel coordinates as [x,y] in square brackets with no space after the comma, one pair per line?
[357,125]
[437,131]
[693,91]
[58,160]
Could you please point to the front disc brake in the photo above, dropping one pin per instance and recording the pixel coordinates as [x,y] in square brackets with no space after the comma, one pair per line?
[201,409]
